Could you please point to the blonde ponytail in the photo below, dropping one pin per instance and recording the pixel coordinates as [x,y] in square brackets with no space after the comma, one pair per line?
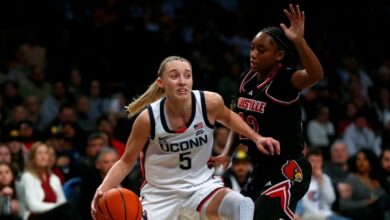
[153,93]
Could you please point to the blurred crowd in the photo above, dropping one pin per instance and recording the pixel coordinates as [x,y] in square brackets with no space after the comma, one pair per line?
[68,68]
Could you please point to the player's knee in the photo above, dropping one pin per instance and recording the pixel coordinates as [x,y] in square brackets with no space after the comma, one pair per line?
[236,207]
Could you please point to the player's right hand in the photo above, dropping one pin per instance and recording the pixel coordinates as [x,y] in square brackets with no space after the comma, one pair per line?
[268,145]
[97,195]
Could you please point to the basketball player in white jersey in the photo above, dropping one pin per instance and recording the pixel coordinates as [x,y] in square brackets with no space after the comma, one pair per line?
[173,134]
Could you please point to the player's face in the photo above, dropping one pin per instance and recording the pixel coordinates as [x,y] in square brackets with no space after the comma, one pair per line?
[177,80]
[264,53]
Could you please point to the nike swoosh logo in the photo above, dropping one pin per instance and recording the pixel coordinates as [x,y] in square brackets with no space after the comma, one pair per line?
[163,138]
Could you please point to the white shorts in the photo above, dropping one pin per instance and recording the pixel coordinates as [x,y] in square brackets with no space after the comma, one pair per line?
[179,204]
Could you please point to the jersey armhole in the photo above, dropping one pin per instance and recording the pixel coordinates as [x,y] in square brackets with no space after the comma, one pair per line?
[152,122]
[204,112]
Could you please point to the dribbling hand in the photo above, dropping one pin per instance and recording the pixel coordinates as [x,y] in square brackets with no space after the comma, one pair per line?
[268,146]
[98,194]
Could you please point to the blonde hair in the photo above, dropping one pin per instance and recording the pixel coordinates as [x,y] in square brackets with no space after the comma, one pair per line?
[31,166]
[153,93]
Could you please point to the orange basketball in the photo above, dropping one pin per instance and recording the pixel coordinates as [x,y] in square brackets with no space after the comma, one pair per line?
[119,204]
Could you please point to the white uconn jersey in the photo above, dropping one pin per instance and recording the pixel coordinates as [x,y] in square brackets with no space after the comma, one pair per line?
[174,160]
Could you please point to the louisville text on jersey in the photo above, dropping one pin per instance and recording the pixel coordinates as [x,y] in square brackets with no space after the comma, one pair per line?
[251,105]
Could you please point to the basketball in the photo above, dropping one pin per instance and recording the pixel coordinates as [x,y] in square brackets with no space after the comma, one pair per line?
[119,204]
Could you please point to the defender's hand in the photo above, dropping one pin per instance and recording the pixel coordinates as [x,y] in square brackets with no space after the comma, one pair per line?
[297,24]
[268,145]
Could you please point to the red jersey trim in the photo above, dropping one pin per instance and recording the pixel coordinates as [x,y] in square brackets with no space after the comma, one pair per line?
[282,191]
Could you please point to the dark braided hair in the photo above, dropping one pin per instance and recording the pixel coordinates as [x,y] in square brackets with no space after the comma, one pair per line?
[291,57]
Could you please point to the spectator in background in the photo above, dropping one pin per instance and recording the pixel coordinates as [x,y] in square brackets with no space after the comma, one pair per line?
[337,167]
[18,154]
[382,105]
[5,154]
[83,118]
[385,134]
[9,205]
[228,84]
[321,131]
[31,52]
[355,81]
[358,136]
[56,168]
[221,134]
[385,167]
[317,202]
[35,84]
[27,134]
[11,97]
[98,105]
[385,180]
[107,125]
[33,107]
[90,181]
[41,190]
[95,142]
[11,126]
[347,117]
[237,176]
[52,104]
[363,198]
[66,119]
[76,84]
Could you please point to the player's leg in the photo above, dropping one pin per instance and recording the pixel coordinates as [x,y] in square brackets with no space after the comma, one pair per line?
[158,207]
[268,208]
[228,204]
[214,201]
[286,188]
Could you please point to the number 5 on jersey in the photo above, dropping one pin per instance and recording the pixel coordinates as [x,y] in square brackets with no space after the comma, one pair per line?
[185,161]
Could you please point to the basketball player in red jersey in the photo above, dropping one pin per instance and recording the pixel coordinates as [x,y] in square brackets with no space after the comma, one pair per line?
[268,100]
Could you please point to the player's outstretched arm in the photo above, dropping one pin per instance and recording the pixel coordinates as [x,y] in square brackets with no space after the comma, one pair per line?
[312,72]
[217,111]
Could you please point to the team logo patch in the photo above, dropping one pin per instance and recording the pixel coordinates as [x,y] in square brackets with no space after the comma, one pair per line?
[292,171]
[199,132]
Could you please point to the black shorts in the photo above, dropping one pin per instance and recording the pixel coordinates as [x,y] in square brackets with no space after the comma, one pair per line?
[276,187]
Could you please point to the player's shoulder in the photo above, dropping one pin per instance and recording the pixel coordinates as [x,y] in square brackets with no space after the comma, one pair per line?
[212,98]
[143,118]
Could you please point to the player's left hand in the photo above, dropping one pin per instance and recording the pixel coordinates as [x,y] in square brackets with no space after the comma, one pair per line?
[268,145]
[219,160]
[297,23]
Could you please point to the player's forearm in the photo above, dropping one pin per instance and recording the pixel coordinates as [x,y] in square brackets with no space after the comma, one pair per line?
[310,61]
[239,126]
[116,175]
